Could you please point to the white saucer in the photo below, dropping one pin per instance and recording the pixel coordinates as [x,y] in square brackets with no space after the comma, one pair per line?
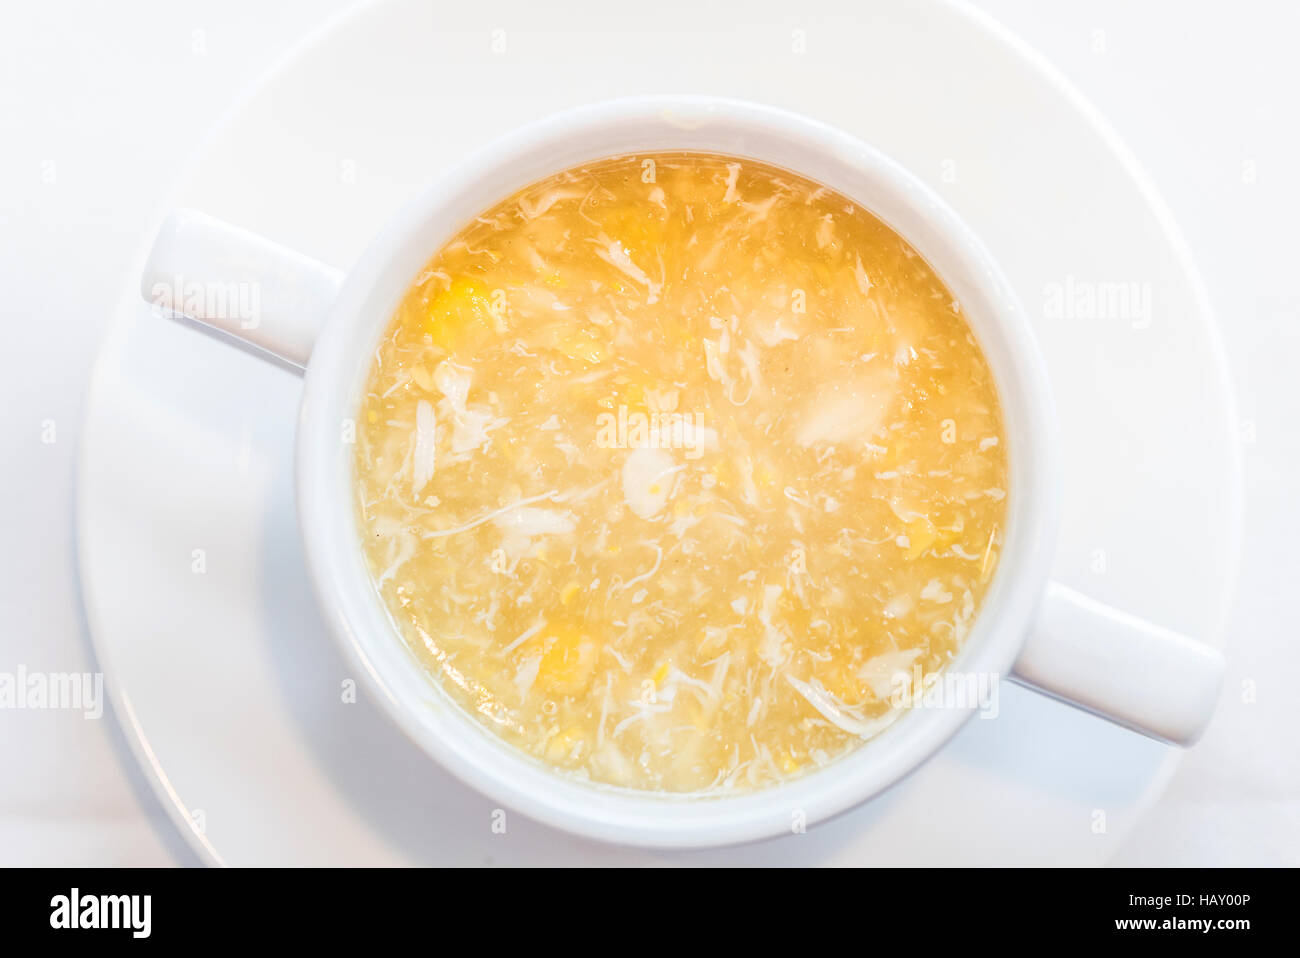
[229,688]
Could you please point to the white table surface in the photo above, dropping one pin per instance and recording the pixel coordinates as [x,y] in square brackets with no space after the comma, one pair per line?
[101,104]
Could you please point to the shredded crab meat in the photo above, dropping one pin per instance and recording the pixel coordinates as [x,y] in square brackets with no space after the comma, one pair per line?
[670,469]
[426,449]
[618,257]
[531,521]
[648,481]
[881,671]
[843,716]
[487,517]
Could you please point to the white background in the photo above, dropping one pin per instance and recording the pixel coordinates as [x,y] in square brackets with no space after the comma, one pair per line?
[101,104]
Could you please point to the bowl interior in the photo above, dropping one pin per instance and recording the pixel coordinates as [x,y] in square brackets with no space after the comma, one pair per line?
[341,363]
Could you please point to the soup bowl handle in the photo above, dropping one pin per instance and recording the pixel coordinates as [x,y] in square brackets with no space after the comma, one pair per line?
[258,292]
[1140,675]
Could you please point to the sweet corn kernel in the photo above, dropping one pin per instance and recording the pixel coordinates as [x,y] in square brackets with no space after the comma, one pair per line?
[569,660]
[921,536]
[566,744]
[569,592]
[460,318]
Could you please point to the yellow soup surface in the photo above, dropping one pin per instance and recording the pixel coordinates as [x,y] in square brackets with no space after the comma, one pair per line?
[672,467]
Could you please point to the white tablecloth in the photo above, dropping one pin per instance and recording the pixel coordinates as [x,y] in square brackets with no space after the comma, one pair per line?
[100,104]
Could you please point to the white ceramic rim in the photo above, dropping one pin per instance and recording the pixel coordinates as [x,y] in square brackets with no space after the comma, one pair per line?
[341,360]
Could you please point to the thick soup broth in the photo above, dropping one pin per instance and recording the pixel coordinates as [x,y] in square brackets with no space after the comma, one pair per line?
[668,466]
